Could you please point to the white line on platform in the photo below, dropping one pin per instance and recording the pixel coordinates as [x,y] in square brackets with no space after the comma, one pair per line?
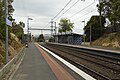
[77,70]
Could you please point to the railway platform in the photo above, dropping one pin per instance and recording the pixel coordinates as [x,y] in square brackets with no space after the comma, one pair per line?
[38,65]
[107,49]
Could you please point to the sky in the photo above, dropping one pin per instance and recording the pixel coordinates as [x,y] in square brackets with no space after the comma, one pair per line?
[42,11]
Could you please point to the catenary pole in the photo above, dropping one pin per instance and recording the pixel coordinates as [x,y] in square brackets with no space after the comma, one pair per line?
[51,28]
[55,29]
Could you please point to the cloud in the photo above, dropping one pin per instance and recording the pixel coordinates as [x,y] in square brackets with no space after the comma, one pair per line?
[39,7]
[42,11]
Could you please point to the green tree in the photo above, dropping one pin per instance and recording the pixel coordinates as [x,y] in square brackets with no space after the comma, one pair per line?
[111,10]
[115,13]
[10,7]
[96,29]
[41,38]
[2,29]
[1,9]
[2,18]
[52,39]
[22,24]
[17,29]
[65,25]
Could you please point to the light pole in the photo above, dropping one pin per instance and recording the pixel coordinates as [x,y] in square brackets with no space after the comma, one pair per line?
[28,27]
[84,32]
[90,34]
[6,41]
[100,13]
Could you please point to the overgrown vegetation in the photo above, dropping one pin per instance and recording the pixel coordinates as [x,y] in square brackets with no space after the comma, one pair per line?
[111,10]
[108,40]
[13,32]
[97,30]
[17,29]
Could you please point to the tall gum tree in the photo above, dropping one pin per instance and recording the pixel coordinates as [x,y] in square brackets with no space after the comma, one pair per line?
[65,25]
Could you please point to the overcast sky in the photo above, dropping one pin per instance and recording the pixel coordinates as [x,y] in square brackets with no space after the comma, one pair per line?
[42,11]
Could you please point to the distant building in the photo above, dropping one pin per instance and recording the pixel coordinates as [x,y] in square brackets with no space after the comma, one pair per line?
[69,38]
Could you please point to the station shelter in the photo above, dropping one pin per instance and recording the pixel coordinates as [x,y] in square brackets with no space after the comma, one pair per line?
[69,38]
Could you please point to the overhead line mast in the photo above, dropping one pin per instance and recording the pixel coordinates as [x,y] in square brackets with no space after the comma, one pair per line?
[57,15]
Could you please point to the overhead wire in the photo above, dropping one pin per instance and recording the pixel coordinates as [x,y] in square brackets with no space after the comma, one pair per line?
[87,17]
[82,9]
[47,24]
[68,9]
[58,13]
[72,7]
[84,15]
[62,9]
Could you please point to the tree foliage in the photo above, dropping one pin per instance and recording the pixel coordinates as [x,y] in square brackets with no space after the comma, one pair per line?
[96,29]
[41,38]
[111,10]
[17,29]
[2,29]
[10,7]
[22,24]
[52,39]
[65,25]
[2,18]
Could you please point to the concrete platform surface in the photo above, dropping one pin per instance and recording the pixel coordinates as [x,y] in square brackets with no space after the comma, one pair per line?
[38,65]
[34,66]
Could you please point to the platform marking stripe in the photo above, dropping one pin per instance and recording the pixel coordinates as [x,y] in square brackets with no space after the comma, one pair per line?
[77,70]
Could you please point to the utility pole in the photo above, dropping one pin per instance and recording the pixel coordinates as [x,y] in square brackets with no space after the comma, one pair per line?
[28,27]
[6,41]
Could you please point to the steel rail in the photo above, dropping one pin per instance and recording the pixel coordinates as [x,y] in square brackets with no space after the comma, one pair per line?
[103,53]
[74,49]
[78,64]
[77,55]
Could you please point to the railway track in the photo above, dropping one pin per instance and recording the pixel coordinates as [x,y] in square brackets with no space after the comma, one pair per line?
[102,66]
